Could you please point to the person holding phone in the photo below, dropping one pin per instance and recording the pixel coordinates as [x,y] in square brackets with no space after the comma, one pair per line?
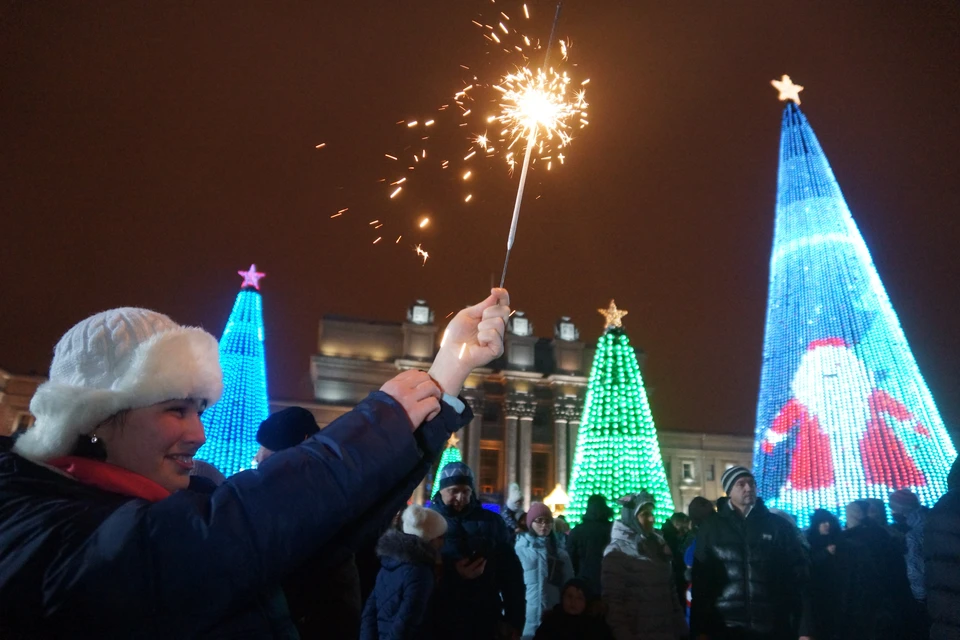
[481,591]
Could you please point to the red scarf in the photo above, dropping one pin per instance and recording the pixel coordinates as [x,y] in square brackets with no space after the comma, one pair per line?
[110,477]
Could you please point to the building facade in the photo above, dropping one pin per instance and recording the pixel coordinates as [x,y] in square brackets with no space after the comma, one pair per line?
[15,393]
[527,403]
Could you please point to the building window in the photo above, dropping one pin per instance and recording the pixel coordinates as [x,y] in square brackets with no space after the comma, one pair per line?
[489,470]
[667,464]
[688,472]
[711,473]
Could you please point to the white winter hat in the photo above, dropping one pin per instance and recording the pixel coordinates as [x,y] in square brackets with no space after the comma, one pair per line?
[425,523]
[119,359]
[514,496]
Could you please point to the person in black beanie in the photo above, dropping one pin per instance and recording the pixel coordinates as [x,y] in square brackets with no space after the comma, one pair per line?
[324,595]
[284,429]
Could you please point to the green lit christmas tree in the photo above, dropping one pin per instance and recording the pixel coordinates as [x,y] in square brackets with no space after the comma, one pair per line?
[617,448]
[450,454]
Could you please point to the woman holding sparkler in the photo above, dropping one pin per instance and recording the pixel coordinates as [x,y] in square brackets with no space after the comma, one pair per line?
[103,533]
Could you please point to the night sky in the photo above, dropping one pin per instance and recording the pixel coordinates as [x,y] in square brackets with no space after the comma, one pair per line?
[152,149]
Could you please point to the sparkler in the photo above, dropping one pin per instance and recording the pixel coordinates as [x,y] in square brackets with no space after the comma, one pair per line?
[536,108]
[533,102]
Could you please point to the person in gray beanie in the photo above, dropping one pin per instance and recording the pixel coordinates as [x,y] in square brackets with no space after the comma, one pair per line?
[104,535]
[745,539]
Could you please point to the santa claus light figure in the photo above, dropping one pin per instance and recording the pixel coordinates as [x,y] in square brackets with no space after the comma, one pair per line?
[846,445]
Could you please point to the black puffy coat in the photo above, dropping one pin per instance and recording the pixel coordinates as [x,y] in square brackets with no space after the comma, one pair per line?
[464,608]
[398,605]
[587,542]
[77,561]
[941,550]
[749,575]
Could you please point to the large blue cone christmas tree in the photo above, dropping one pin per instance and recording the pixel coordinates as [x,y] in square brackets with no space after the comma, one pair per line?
[231,424]
[617,448]
[843,411]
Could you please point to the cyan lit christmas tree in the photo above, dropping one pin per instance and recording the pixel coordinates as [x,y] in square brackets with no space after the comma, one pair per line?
[450,454]
[843,411]
[231,424]
[617,448]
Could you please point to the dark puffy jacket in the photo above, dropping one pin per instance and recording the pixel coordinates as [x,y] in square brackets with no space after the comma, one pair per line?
[941,549]
[587,542]
[559,625]
[472,608]
[199,564]
[749,574]
[396,608]
[873,592]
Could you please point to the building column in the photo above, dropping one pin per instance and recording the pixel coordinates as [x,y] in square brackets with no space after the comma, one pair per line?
[471,436]
[526,459]
[510,452]
[560,455]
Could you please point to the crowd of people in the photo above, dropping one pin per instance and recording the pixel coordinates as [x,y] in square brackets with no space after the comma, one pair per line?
[110,529]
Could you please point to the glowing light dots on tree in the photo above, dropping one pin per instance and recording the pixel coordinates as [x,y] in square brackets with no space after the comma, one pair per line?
[231,424]
[617,449]
[843,411]
[450,454]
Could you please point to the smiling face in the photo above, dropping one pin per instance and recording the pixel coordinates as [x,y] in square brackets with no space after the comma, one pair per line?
[157,442]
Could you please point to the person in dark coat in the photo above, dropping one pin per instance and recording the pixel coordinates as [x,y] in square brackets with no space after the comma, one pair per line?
[874,596]
[823,536]
[941,551]
[674,532]
[750,577]
[699,510]
[482,588]
[571,618]
[398,605]
[589,539]
[323,594]
[909,518]
[104,534]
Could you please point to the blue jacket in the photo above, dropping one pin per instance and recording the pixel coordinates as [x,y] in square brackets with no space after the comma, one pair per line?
[545,571]
[397,607]
[77,561]
[472,608]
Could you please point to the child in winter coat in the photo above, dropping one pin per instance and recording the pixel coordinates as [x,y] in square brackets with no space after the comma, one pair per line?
[398,604]
[637,577]
[571,619]
[546,565]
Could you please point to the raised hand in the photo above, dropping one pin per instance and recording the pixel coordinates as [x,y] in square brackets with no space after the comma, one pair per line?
[472,339]
[417,393]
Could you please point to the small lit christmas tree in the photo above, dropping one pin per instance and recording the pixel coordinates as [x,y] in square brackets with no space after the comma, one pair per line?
[232,423]
[617,448]
[450,454]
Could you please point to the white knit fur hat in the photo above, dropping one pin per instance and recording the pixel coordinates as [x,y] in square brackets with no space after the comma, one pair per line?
[119,359]
[425,523]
